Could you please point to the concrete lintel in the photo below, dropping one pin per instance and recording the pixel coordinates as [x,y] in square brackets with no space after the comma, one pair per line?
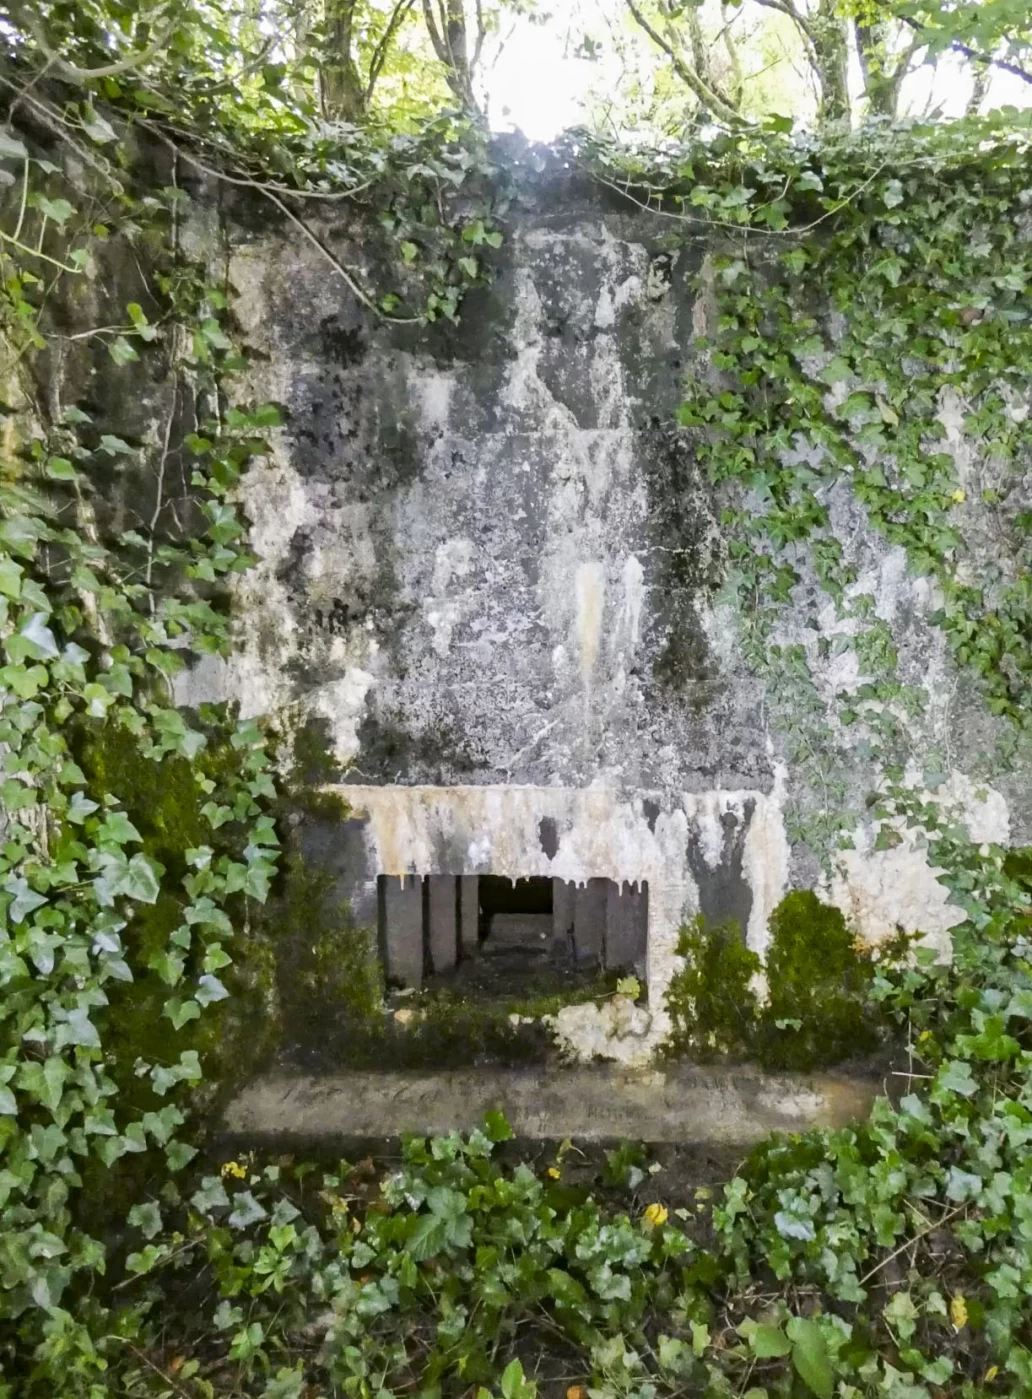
[691,1105]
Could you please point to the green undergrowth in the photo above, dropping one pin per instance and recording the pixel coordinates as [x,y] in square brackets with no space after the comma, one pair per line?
[814,1010]
[165,801]
[889,1258]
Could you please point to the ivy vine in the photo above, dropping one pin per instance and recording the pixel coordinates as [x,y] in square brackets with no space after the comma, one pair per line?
[856,281]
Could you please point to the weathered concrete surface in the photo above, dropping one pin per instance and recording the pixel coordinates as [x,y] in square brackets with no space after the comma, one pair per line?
[692,849]
[486,558]
[489,561]
[686,1105]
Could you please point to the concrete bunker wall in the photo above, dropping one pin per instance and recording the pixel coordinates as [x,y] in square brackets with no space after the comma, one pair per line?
[488,595]
[695,852]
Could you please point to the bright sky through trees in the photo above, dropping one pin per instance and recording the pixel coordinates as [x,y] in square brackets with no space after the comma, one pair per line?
[587,61]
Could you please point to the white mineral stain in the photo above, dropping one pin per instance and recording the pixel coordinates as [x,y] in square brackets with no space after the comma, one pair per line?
[605,835]
[880,891]
[765,860]
[590,593]
[633,602]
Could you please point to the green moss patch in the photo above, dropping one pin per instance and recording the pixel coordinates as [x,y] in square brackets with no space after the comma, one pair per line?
[816,1012]
[164,801]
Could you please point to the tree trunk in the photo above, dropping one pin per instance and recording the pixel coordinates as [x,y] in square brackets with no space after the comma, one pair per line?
[979,91]
[343,92]
[460,78]
[831,61]
[881,82]
[450,40]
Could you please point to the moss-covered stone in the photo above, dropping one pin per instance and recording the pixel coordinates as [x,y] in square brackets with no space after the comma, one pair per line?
[816,1011]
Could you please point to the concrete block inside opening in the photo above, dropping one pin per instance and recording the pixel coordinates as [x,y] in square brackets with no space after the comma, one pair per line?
[493,937]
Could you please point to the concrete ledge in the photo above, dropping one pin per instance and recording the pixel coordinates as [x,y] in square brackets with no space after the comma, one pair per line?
[690,1105]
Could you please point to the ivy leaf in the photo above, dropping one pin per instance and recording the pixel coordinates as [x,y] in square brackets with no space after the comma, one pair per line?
[147,1218]
[11,148]
[246,1210]
[57,209]
[25,900]
[181,1012]
[145,1260]
[955,1076]
[54,1073]
[794,1226]
[98,700]
[179,1155]
[211,1195]
[79,808]
[141,880]
[513,1384]
[114,446]
[226,1315]
[769,1342]
[836,370]
[77,1029]
[97,128]
[118,829]
[216,958]
[209,990]
[215,335]
[40,637]
[962,1185]
[10,577]
[121,351]
[1020,1004]
[810,1357]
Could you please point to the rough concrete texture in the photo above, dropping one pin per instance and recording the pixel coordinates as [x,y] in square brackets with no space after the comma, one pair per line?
[730,1107]
[593,834]
[488,574]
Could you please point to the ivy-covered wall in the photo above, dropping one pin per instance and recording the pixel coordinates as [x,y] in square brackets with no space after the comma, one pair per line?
[487,557]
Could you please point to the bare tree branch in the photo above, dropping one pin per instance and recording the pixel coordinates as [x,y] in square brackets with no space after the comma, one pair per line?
[737,76]
[295,219]
[687,74]
[481,36]
[436,39]
[787,8]
[379,58]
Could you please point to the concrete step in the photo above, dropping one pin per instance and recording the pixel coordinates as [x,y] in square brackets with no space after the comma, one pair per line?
[684,1104]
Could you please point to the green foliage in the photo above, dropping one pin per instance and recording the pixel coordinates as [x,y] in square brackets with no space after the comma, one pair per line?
[815,1010]
[712,1002]
[852,400]
[419,171]
[132,843]
[885,1258]
[890,1259]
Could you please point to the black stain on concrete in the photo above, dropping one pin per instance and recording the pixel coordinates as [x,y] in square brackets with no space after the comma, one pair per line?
[548,834]
[724,894]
